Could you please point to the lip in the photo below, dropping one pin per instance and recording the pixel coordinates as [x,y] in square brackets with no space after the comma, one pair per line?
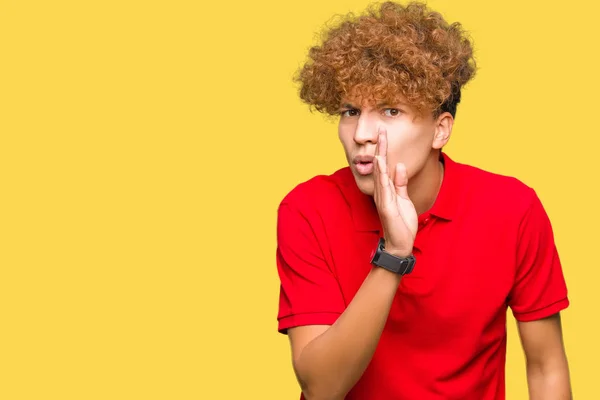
[363,164]
[363,159]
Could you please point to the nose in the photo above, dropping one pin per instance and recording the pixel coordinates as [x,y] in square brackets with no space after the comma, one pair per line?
[366,130]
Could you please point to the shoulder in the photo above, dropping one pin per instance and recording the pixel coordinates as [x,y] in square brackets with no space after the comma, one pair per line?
[319,192]
[314,207]
[492,192]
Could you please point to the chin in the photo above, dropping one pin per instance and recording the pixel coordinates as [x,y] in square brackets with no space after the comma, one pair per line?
[365,184]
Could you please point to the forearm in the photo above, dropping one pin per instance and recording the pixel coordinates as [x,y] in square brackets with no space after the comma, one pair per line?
[330,365]
[549,382]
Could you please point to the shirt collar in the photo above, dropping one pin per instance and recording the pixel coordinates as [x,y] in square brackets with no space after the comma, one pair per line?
[364,212]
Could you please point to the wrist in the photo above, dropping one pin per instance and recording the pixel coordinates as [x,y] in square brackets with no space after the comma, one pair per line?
[401,252]
[392,262]
[387,275]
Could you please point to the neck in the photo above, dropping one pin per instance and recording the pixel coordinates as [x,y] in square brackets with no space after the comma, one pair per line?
[424,187]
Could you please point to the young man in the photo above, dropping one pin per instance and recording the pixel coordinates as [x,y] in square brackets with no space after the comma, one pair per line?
[397,271]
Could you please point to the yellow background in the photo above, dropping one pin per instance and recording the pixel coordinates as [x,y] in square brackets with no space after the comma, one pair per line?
[144,148]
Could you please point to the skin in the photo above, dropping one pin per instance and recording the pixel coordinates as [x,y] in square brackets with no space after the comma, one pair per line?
[329,360]
[413,141]
[546,359]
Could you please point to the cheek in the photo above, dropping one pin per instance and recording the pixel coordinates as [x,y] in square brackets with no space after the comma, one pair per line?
[346,139]
[341,133]
[411,149]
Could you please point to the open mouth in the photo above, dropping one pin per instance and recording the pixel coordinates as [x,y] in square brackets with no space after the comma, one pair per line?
[364,167]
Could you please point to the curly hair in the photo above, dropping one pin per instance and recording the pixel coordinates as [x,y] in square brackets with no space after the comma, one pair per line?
[389,53]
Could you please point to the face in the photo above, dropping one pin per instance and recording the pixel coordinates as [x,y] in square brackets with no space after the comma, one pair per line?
[412,139]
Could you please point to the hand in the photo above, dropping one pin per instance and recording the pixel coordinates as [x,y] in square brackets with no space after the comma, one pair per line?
[397,213]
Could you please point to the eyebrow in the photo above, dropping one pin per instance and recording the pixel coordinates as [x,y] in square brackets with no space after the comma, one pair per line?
[385,104]
[395,105]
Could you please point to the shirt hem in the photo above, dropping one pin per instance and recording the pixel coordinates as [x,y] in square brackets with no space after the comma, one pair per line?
[542,313]
[295,320]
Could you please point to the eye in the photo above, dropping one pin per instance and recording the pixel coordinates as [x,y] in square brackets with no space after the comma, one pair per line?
[350,113]
[391,112]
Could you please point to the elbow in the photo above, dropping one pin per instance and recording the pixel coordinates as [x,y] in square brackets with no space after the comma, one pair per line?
[549,379]
[315,393]
[548,366]
[318,387]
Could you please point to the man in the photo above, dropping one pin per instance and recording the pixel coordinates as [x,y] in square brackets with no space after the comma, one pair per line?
[397,271]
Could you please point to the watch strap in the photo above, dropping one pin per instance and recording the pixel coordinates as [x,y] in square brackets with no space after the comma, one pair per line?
[398,265]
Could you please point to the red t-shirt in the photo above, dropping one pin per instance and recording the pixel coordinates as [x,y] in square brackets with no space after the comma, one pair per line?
[485,245]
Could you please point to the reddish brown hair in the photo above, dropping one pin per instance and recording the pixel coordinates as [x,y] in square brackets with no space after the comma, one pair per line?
[389,53]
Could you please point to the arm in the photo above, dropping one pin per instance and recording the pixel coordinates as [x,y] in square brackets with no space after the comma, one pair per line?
[547,366]
[328,361]
[537,298]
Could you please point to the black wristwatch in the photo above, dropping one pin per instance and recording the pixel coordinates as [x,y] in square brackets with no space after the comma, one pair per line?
[398,265]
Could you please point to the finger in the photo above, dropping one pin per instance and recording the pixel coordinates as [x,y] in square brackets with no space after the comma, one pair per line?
[383,149]
[377,144]
[401,181]
[382,142]
[391,193]
[382,175]
[385,187]
[376,179]
[386,191]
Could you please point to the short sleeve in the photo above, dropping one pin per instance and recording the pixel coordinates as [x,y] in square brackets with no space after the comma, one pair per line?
[309,290]
[539,289]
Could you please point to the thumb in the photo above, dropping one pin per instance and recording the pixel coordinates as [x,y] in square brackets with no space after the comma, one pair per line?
[401,181]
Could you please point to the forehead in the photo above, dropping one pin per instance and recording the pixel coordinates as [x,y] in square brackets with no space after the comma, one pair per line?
[367,97]
[375,104]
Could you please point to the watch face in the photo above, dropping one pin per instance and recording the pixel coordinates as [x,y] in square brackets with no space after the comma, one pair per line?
[390,262]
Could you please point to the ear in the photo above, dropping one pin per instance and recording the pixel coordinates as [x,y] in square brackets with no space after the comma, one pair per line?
[443,130]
